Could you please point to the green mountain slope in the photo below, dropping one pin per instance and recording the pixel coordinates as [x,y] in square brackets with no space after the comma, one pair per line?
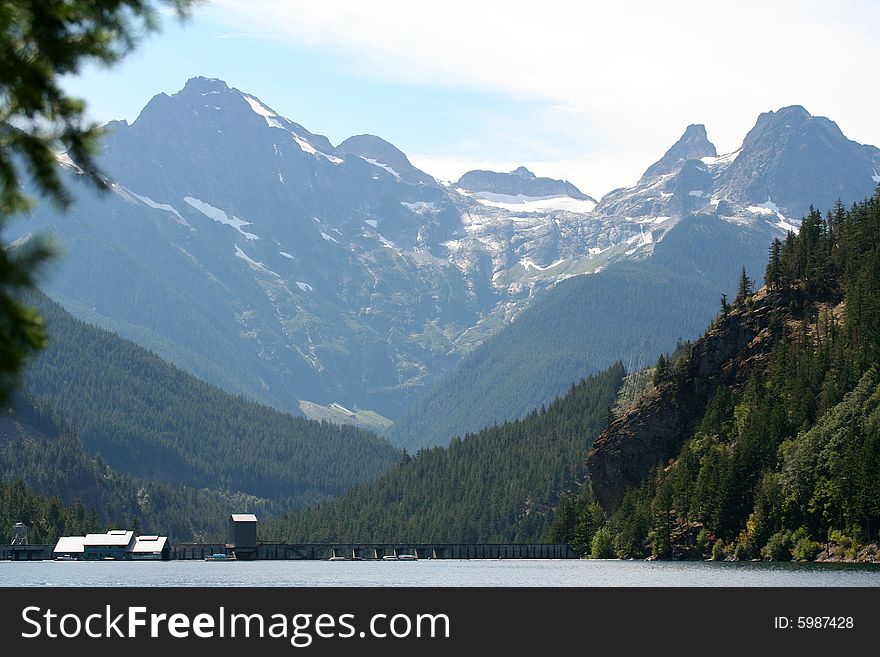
[150,420]
[763,439]
[631,312]
[497,485]
[52,462]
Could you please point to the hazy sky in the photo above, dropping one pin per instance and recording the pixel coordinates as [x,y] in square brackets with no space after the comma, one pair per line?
[592,92]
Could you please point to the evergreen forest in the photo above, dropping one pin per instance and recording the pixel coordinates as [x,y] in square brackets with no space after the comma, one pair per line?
[497,485]
[787,465]
[106,424]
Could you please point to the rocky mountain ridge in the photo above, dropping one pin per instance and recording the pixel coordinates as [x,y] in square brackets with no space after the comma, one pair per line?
[521,182]
[344,274]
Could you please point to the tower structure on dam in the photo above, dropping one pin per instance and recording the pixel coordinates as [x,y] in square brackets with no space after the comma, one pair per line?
[242,536]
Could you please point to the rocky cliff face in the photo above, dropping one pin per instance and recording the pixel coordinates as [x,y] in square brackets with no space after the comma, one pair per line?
[693,145]
[655,429]
[790,156]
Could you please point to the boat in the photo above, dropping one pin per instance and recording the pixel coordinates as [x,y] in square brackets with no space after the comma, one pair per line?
[338,559]
[219,556]
[407,557]
[390,557]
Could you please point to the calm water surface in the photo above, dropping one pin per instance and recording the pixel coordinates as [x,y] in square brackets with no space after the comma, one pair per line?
[435,573]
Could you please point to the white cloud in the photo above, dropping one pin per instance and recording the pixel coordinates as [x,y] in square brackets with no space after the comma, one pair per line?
[625,76]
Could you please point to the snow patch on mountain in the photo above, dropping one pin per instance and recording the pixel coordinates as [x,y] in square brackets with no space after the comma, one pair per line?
[272,121]
[146,200]
[387,243]
[253,263]
[218,215]
[722,160]
[768,207]
[640,241]
[529,264]
[420,207]
[377,163]
[311,150]
[523,203]
[67,162]
[258,107]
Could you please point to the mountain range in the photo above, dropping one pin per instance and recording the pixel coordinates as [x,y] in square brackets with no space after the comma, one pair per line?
[257,255]
[702,219]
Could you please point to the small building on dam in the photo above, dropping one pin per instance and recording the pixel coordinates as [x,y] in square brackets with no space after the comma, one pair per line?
[242,536]
[115,545]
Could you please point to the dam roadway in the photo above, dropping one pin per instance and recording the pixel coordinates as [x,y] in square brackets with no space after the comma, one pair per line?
[375,551]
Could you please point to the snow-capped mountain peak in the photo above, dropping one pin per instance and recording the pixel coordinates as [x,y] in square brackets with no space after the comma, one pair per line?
[346,274]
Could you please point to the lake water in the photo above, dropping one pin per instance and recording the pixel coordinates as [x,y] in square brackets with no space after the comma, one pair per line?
[436,573]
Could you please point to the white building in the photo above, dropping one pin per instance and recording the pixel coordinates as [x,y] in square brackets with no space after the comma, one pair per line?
[115,545]
[151,548]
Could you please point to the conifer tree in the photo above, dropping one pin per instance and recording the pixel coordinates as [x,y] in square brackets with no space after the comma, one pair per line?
[660,369]
[773,276]
[745,287]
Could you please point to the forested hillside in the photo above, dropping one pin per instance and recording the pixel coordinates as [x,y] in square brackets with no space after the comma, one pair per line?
[500,484]
[47,518]
[784,458]
[631,312]
[52,461]
[149,420]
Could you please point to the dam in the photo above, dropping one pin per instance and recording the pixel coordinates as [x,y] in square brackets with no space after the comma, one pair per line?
[373,551]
